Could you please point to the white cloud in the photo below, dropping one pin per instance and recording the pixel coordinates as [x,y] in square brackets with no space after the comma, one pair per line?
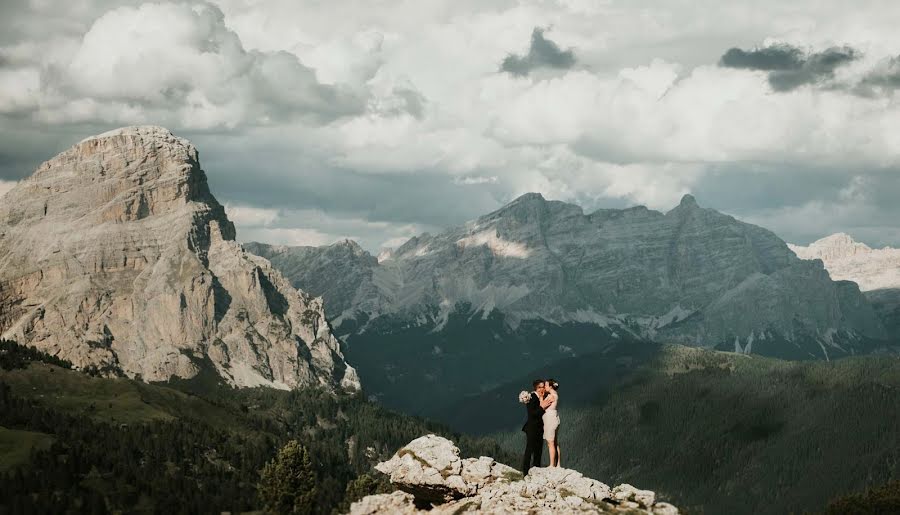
[476,179]
[287,236]
[19,89]
[178,63]
[301,96]
[247,216]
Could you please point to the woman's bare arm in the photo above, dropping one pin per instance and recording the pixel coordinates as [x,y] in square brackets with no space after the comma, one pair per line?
[548,400]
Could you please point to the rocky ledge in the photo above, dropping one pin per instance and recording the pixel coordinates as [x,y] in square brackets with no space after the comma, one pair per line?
[432,477]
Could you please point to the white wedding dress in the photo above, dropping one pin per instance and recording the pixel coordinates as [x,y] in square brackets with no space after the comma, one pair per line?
[551,418]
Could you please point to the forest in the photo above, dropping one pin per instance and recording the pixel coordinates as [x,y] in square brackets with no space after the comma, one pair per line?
[101,445]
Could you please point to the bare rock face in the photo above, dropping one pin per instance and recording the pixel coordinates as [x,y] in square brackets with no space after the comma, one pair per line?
[849,260]
[115,255]
[432,476]
[692,276]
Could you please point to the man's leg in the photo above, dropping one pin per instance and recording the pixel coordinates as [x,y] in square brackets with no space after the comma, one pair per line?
[538,445]
[529,450]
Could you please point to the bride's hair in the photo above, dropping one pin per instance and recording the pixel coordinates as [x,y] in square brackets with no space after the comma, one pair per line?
[553,383]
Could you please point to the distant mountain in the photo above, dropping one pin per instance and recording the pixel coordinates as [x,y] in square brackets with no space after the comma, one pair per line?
[115,255]
[877,271]
[538,281]
[849,260]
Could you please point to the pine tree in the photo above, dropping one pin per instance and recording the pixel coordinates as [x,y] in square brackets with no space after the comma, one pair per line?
[288,483]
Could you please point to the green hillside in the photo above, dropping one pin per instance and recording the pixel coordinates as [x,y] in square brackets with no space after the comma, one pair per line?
[75,443]
[726,433]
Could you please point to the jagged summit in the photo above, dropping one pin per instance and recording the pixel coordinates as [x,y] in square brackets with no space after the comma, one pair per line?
[152,131]
[840,240]
[115,255]
[530,197]
[688,201]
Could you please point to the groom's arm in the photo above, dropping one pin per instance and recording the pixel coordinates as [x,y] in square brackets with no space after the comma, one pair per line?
[534,407]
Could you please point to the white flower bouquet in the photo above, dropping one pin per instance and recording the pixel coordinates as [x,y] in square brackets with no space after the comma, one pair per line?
[524,397]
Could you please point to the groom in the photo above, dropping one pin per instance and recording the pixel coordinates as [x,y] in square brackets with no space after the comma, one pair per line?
[534,428]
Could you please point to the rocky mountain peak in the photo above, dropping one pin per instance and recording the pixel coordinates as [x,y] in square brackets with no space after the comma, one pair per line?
[528,198]
[688,205]
[847,259]
[530,206]
[351,246]
[836,246]
[129,174]
[688,201]
[115,255]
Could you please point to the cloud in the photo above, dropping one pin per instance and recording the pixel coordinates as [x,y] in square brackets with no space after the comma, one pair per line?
[176,64]
[885,78]
[476,179]
[543,53]
[777,57]
[296,236]
[788,66]
[349,121]
[317,227]
[248,216]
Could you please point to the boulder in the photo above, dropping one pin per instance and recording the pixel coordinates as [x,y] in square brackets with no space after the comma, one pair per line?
[397,502]
[430,473]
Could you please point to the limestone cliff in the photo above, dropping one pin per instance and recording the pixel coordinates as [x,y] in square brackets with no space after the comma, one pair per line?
[115,255]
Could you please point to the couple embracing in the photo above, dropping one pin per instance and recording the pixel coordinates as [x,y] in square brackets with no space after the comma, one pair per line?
[543,421]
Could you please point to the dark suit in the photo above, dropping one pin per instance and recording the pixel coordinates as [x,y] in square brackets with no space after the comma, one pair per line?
[534,433]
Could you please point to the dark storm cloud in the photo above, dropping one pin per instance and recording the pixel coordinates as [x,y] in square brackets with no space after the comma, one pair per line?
[778,57]
[744,187]
[543,53]
[788,66]
[865,201]
[295,182]
[884,78]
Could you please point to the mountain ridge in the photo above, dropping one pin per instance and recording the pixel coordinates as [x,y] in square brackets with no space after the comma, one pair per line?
[588,268]
[538,281]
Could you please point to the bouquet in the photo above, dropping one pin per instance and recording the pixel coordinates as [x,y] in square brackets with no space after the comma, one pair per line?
[524,397]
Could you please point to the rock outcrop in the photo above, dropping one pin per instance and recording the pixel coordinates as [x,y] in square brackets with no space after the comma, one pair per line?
[431,476]
[115,255]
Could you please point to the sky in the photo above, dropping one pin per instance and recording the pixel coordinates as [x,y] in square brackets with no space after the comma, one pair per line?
[378,120]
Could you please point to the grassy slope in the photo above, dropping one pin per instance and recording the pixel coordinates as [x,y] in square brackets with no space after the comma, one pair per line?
[725,433]
[16,446]
[121,401]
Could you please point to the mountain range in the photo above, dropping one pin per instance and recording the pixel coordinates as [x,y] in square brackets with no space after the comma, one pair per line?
[539,281]
[115,255]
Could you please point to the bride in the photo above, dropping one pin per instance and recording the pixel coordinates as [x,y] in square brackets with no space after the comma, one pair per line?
[551,420]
